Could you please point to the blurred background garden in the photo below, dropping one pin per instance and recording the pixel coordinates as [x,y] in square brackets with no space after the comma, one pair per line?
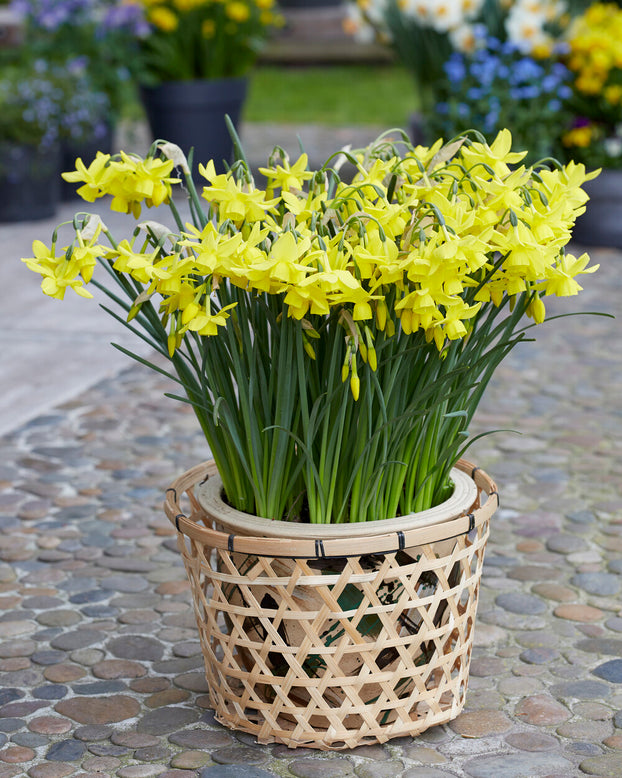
[78,75]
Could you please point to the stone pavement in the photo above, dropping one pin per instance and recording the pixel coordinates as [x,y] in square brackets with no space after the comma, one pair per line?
[100,669]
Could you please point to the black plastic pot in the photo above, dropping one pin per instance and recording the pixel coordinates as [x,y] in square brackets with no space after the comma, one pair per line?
[191,114]
[601,224]
[29,182]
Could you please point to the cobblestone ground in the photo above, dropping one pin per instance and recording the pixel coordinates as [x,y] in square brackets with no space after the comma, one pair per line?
[100,669]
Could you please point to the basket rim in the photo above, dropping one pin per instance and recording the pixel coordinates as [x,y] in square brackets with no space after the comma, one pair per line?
[208,494]
[196,525]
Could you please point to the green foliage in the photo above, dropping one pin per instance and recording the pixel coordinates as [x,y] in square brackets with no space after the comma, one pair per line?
[203,38]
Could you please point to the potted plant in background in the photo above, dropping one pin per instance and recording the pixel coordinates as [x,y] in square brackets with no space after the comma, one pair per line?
[96,40]
[30,100]
[195,62]
[595,137]
[425,34]
[334,340]
[496,86]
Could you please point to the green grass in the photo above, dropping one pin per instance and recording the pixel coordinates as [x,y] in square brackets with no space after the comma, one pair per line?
[381,95]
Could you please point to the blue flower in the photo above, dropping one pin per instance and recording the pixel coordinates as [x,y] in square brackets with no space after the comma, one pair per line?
[529,92]
[490,121]
[527,69]
[455,68]
[475,94]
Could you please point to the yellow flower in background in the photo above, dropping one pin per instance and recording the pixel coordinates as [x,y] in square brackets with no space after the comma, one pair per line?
[578,136]
[208,28]
[237,11]
[613,94]
[595,42]
[163,18]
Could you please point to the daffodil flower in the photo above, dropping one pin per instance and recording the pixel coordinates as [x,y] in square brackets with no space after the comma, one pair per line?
[288,177]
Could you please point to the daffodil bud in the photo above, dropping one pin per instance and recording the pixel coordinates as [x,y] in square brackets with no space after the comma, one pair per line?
[370,350]
[308,348]
[355,385]
[133,312]
[381,314]
[537,310]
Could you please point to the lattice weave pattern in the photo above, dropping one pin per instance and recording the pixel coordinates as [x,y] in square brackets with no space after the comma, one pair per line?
[336,651]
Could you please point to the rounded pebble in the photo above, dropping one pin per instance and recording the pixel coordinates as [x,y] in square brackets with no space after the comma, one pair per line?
[66,751]
[320,768]
[574,612]
[605,766]
[481,723]
[104,710]
[541,710]
[610,671]
[190,760]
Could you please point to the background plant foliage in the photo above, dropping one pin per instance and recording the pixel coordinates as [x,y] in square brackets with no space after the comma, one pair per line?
[192,39]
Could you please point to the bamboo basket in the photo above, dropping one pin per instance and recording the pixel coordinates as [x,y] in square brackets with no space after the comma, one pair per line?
[334,643]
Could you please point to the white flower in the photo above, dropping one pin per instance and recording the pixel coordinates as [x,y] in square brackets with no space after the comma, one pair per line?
[365,20]
[464,38]
[526,20]
[441,15]
[525,28]
[471,8]
[613,147]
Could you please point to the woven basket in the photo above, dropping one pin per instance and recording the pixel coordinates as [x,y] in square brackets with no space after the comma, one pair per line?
[333,643]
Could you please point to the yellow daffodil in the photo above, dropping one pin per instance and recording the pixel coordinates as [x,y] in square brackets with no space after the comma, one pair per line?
[399,232]
[91,175]
[61,272]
